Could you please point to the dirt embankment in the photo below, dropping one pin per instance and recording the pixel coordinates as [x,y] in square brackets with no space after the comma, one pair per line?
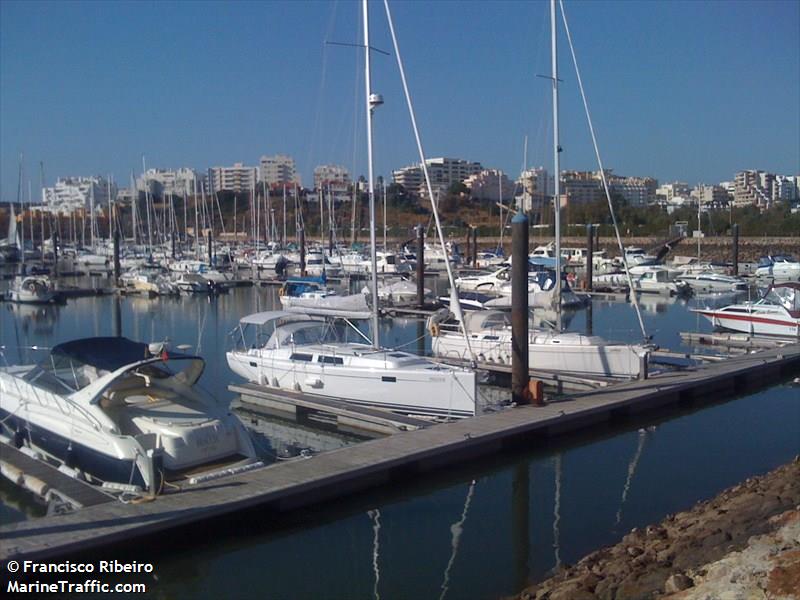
[744,543]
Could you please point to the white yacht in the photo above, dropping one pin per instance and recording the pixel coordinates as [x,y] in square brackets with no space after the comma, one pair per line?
[780,267]
[305,353]
[490,338]
[711,281]
[120,411]
[33,289]
[777,313]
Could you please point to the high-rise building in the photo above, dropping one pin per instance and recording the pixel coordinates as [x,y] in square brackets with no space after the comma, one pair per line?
[278,170]
[490,185]
[753,188]
[162,182]
[73,193]
[237,178]
[443,172]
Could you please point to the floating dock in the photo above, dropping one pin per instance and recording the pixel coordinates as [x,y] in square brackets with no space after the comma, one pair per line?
[338,473]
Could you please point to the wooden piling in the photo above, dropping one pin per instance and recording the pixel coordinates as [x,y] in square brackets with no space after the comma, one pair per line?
[519,309]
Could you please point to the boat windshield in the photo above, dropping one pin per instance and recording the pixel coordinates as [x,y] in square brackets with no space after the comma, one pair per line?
[787,296]
[72,366]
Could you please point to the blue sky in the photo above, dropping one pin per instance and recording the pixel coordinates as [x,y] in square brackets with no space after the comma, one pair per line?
[692,91]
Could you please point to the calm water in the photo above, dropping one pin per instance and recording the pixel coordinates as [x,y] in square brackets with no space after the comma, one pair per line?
[480,531]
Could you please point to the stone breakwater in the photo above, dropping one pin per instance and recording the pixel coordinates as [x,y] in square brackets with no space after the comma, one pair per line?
[744,543]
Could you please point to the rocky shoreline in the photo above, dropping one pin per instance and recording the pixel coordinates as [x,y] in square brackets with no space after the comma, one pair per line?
[744,543]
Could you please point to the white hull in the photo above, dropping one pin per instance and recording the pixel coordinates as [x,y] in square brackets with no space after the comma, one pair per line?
[416,389]
[548,351]
[755,322]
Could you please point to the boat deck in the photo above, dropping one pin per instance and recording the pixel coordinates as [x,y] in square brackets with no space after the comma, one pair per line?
[338,473]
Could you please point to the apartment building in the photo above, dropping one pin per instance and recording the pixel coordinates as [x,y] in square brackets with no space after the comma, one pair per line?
[73,193]
[277,171]
[443,172]
[237,178]
[490,185]
[164,182]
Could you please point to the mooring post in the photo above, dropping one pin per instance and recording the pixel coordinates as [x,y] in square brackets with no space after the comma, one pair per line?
[116,310]
[302,252]
[735,249]
[55,253]
[330,243]
[475,247]
[467,253]
[519,309]
[210,249]
[589,256]
[420,266]
[173,245]
[116,258]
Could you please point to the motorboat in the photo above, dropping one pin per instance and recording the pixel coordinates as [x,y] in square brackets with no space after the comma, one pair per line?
[311,354]
[120,411]
[317,264]
[470,300]
[32,289]
[397,293]
[637,256]
[484,281]
[658,280]
[780,267]
[711,281]
[777,313]
[541,292]
[192,283]
[149,281]
[489,335]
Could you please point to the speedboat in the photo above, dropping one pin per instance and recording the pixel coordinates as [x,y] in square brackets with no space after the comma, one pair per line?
[310,354]
[781,267]
[711,281]
[484,281]
[398,293]
[574,353]
[777,313]
[33,289]
[192,283]
[121,412]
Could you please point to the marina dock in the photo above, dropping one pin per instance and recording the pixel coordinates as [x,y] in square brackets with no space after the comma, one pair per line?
[307,481]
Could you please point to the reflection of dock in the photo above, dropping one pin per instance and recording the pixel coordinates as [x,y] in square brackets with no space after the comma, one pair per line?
[289,485]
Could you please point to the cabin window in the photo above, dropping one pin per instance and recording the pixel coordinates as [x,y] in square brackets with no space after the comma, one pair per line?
[388,379]
[397,354]
[491,337]
[330,360]
[302,357]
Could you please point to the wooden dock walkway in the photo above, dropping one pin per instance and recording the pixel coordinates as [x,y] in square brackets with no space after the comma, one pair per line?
[334,474]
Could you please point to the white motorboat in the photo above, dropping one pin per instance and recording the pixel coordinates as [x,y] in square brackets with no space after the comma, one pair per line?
[33,289]
[120,411]
[309,354]
[317,265]
[637,256]
[192,283]
[659,280]
[777,313]
[397,293]
[541,292]
[780,267]
[490,338]
[711,281]
[486,281]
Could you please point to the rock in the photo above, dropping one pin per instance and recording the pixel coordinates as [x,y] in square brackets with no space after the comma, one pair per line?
[677,583]
[634,551]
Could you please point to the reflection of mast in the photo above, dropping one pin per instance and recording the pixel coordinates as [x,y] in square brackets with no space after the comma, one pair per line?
[375,515]
[631,470]
[456,529]
[557,513]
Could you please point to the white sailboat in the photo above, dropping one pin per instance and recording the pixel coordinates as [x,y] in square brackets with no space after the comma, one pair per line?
[306,353]
[489,334]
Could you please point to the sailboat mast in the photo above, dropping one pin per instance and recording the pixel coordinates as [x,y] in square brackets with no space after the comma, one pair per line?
[556,161]
[372,241]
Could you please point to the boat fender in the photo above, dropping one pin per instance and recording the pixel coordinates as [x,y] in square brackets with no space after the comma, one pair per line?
[36,485]
[11,473]
[281,292]
[433,328]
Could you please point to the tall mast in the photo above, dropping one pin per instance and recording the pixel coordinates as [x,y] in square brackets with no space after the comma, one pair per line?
[556,161]
[372,241]
[147,207]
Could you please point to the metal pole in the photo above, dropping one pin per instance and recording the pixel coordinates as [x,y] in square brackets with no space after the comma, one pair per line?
[302,252]
[475,247]
[116,257]
[420,266]
[556,162]
[519,308]
[210,250]
[467,253]
[370,182]
[735,249]
[589,256]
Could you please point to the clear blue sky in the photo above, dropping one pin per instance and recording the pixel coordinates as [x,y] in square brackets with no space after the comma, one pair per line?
[692,91]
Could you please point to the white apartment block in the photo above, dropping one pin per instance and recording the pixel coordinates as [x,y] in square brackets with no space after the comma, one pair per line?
[490,185]
[73,193]
[637,191]
[331,177]
[164,182]
[669,191]
[278,170]
[711,196]
[443,172]
[537,187]
[237,178]
[753,188]
[785,188]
